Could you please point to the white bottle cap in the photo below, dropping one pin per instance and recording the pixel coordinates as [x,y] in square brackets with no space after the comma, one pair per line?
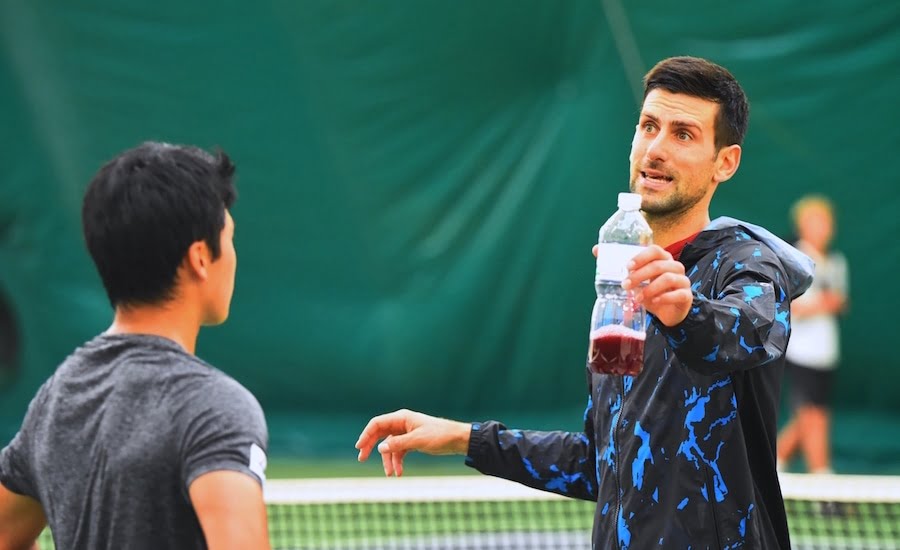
[629,201]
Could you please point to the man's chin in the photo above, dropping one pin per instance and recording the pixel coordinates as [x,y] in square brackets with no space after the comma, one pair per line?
[215,320]
[653,207]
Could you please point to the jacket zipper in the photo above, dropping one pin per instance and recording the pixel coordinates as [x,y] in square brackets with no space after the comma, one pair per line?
[711,492]
[617,464]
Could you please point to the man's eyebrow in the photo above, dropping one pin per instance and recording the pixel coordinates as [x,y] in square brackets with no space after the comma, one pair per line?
[686,124]
[675,123]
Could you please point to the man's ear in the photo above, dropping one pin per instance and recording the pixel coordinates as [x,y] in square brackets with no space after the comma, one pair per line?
[727,162]
[197,260]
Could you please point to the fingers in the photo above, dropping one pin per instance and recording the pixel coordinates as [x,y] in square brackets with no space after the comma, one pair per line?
[666,290]
[405,431]
[650,264]
[651,253]
[660,285]
[672,297]
[668,298]
[380,427]
[391,460]
[392,463]
[397,462]
[387,464]
[667,270]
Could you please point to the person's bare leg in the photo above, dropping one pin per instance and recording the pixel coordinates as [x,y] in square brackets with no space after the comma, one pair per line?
[788,442]
[814,425]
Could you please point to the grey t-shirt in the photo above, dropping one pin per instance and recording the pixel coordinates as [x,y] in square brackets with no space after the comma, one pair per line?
[112,441]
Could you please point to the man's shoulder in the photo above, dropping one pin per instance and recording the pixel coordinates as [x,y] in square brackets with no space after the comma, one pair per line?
[729,246]
[221,385]
[208,388]
[732,236]
[112,349]
[158,365]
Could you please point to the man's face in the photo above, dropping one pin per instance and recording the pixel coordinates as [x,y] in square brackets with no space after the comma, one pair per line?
[221,276]
[815,225]
[673,154]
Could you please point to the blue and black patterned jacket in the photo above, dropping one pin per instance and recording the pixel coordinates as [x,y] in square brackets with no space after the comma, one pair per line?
[682,455]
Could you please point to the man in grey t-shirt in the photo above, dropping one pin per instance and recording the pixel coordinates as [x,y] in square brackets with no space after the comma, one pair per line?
[135,442]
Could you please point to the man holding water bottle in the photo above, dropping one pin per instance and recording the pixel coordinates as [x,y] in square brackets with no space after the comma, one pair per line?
[682,454]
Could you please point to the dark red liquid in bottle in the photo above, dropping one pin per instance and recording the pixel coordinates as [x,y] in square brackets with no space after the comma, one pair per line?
[616,350]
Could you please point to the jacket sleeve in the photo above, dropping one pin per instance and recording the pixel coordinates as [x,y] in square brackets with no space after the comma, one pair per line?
[745,323]
[558,462]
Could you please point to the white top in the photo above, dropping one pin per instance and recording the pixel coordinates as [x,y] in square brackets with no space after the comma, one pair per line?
[815,340]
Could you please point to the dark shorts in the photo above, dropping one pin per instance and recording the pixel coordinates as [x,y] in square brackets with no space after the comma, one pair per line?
[809,386]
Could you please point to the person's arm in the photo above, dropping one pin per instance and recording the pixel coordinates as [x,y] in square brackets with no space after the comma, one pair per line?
[745,325]
[21,516]
[824,302]
[224,461]
[21,521]
[556,461]
[559,462]
[831,296]
[231,510]
[404,431]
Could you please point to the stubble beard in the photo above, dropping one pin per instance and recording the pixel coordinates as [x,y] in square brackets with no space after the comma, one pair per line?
[666,210]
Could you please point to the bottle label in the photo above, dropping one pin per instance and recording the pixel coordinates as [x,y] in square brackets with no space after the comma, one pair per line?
[612,259]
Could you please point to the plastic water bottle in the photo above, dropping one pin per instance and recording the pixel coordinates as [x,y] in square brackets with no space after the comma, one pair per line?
[617,323]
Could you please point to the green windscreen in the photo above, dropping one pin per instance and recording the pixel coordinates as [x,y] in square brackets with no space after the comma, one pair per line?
[421,182]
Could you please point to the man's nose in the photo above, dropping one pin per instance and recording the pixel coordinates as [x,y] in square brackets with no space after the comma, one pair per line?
[657,149]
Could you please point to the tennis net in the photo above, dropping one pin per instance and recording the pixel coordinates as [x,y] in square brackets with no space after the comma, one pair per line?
[482,513]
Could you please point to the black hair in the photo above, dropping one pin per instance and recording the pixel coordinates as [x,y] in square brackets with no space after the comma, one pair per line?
[144,209]
[701,78]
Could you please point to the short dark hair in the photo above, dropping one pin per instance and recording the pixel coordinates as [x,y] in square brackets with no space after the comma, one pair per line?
[701,78]
[144,209]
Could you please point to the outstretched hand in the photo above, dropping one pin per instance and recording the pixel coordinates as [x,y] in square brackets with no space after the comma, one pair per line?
[405,431]
[667,294]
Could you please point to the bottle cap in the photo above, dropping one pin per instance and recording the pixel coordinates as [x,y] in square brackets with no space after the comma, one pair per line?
[629,201]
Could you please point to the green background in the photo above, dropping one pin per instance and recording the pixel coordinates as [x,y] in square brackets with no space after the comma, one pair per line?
[421,182]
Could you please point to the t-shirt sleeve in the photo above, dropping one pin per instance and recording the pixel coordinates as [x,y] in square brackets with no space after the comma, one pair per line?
[224,429]
[15,473]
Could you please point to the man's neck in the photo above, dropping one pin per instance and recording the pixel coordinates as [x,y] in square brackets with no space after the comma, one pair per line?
[667,231]
[167,321]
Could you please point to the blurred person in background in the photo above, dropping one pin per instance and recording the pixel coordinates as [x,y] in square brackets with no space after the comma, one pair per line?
[814,350]
[682,455]
[135,442]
